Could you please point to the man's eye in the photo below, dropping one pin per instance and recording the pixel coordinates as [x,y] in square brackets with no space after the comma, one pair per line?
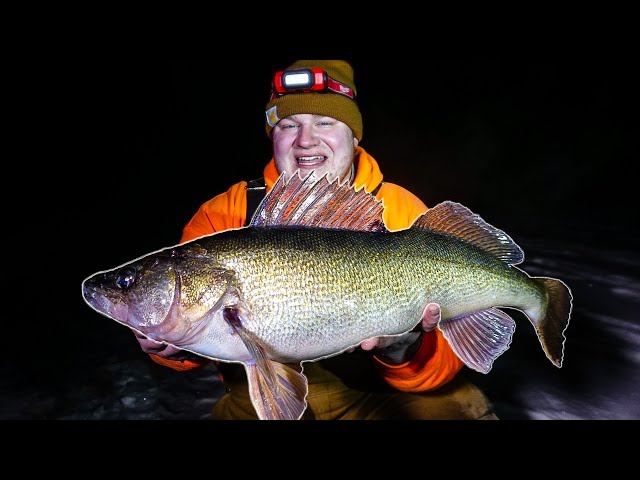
[326,123]
[288,126]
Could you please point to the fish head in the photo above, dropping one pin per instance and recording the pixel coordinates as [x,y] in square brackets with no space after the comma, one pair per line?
[170,296]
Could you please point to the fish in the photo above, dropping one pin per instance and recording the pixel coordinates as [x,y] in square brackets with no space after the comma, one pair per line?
[315,273]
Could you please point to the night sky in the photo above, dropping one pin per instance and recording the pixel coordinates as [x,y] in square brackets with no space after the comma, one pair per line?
[533,139]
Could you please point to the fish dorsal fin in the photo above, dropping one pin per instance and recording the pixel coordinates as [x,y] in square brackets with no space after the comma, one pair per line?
[313,202]
[455,219]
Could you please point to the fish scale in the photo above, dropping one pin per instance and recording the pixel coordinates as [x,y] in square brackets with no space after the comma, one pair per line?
[315,278]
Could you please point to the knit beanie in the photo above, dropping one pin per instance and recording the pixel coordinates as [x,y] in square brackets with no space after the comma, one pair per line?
[330,104]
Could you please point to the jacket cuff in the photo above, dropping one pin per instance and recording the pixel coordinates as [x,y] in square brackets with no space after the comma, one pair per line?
[181,365]
[433,365]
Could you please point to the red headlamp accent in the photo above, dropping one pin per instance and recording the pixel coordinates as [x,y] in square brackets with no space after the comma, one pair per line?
[308,80]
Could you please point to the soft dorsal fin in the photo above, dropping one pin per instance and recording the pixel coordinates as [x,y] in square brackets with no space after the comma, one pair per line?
[455,219]
[313,202]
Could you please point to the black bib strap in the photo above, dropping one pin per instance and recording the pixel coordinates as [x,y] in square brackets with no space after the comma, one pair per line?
[256,190]
[375,190]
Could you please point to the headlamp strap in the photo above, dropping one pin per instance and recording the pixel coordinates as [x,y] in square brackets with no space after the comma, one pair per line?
[340,88]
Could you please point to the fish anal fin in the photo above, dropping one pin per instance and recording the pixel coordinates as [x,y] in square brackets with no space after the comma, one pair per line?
[454,219]
[313,202]
[478,338]
[278,392]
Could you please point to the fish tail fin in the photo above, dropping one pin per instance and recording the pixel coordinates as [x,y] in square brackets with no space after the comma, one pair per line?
[554,320]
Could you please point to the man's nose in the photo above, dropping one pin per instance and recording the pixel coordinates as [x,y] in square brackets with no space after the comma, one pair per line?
[306,136]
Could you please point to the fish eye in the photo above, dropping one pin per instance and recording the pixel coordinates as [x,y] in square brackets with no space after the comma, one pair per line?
[125,277]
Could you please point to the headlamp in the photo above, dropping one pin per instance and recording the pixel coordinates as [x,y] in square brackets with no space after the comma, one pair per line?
[307,80]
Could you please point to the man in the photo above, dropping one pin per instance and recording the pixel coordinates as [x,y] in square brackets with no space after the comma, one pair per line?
[315,124]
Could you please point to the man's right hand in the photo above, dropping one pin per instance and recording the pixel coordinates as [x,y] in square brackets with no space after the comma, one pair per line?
[161,349]
[399,348]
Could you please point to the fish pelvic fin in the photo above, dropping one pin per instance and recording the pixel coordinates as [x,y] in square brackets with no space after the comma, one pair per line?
[478,338]
[554,320]
[454,219]
[278,391]
[313,202]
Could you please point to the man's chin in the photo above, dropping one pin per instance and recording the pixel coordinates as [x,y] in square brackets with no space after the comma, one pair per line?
[318,170]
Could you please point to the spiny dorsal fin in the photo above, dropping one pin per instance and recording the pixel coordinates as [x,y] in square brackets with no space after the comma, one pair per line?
[455,219]
[313,202]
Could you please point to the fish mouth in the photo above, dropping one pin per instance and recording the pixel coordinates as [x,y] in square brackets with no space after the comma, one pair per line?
[172,328]
[310,160]
[111,306]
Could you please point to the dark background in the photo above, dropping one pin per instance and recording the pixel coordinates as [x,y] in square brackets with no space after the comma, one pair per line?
[539,139]
[535,139]
[528,138]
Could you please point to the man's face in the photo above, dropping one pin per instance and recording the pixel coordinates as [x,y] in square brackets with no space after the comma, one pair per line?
[308,142]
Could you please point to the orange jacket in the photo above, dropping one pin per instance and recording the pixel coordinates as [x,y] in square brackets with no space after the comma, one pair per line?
[434,364]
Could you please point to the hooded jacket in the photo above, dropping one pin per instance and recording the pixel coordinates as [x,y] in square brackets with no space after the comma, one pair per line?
[434,364]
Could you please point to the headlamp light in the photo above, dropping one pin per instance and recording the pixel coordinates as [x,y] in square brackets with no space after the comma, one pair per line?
[307,80]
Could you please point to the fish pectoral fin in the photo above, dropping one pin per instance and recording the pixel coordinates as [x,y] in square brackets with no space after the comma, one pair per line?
[278,392]
[478,338]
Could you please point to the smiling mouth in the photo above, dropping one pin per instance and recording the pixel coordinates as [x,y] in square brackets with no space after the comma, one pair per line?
[311,160]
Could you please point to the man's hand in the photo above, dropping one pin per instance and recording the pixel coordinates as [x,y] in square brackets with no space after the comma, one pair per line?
[160,349]
[397,348]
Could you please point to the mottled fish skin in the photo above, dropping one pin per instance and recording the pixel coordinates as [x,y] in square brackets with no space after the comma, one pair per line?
[315,297]
[315,273]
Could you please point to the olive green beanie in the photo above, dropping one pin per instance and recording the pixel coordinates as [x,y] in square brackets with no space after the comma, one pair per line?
[332,105]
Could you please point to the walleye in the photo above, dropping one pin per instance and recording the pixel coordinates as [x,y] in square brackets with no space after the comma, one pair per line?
[315,273]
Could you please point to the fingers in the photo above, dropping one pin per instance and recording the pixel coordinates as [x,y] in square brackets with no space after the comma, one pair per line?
[430,317]
[149,345]
[171,352]
[370,343]
[380,342]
